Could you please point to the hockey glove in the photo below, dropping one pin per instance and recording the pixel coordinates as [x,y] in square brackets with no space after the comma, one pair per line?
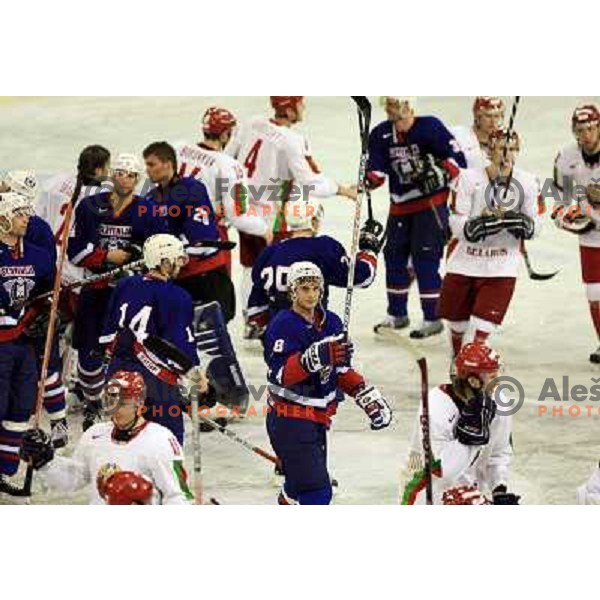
[521,226]
[36,448]
[434,177]
[371,237]
[476,416]
[376,407]
[502,497]
[331,352]
[479,228]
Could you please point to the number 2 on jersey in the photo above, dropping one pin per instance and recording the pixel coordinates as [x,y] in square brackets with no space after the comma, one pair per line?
[252,158]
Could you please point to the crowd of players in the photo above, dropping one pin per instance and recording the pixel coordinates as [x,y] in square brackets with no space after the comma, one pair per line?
[147,278]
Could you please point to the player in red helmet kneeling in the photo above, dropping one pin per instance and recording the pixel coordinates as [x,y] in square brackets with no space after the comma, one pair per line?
[470,436]
[127,443]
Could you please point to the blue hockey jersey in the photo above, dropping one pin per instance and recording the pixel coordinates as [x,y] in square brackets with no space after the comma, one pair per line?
[40,234]
[290,334]
[25,273]
[191,217]
[269,275]
[99,229]
[141,306]
[398,157]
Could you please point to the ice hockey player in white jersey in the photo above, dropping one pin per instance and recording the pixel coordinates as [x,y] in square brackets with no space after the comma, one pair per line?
[470,442]
[222,174]
[279,167]
[488,115]
[127,442]
[577,179]
[488,227]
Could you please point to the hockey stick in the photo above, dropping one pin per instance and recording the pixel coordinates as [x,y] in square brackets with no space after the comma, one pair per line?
[182,364]
[49,341]
[364,119]
[425,431]
[235,438]
[533,275]
[196,451]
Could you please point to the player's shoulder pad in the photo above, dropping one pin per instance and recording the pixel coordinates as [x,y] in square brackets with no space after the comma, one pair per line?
[37,253]
[382,128]
[283,324]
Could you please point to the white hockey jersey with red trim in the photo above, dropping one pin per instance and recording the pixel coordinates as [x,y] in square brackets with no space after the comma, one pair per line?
[487,466]
[154,452]
[224,177]
[570,170]
[498,255]
[274,155]
[475,155]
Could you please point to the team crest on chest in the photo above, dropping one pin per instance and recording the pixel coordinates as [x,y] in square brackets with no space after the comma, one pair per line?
[18,290]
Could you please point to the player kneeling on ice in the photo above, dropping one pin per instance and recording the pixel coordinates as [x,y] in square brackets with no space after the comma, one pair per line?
[309,360]
[489,228]
[127,442]
[470,443]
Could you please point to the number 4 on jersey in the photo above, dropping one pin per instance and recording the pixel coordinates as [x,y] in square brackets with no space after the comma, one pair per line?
[252,158]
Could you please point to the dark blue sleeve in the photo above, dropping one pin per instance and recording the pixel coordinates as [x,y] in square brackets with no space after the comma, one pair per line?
[443,146]
[199,221]
[154,223]
[175,318]
[378,155]
[110,327]
[83,245]
[281,341]
[259,299]
[336,264]
[40,234]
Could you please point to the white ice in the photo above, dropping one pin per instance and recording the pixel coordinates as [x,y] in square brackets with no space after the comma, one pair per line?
[548,332]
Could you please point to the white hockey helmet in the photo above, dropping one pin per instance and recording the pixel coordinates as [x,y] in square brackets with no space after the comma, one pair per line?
[12,203]
[301,214]
[301,271]
[163,246]
[22,182]
[129,163]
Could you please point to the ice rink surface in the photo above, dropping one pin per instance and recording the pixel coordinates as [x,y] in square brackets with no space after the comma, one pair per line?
[548,332]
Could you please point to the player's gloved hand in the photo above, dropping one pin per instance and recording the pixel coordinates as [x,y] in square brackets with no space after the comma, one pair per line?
[330,352]
[521,226]
[501,496]
[571,219]
[36,448]
[478,229]
[433,177]
[371,237]
[476,416]
[375,405]
[464,495]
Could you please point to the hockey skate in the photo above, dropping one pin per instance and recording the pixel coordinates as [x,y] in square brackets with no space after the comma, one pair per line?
[253,332]
[428,329]
[59,433]
[595,357]
[391,323]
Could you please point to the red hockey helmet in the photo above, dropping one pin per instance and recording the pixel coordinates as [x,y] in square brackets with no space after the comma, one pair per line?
[281,103]
[476,359]
[217,121]
[127,487]
[123,386]
[585,114]
[487,103]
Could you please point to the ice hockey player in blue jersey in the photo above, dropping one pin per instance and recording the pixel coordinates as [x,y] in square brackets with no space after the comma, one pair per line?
[39,233]
[110,230]
[309,359]
[420,159]
[191,216]
[25,272]
[270,272]
[153,305]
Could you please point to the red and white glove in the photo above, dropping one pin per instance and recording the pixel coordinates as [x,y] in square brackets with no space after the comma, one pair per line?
[464,495]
